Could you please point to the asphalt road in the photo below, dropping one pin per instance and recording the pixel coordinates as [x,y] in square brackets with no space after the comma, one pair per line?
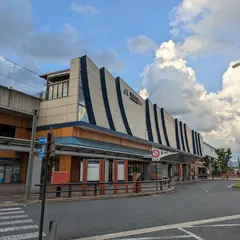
[190,202]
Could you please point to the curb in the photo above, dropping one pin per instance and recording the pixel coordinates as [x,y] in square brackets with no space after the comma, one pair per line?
[186,182]
[101,197]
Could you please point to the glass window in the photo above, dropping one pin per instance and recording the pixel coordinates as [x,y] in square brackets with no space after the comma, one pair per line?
[82,114]
[50,92]
[81,97]
[55,88]
[60,88]
[65,89]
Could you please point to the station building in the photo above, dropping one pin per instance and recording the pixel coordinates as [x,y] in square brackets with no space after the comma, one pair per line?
[104,131]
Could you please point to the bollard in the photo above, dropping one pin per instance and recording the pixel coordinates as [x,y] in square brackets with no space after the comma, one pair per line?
[58,191]
[95,189]
[169,183]
[53,228]
[69,190]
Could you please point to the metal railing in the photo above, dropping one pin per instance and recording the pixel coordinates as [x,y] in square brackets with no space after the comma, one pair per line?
[104,188]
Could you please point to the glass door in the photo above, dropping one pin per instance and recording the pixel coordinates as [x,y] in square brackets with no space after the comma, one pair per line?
[8,174]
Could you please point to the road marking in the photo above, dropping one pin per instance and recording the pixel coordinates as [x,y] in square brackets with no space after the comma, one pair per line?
[160,228]
[230,186]
[8,213]
[9,209]
[190,234]
[216,225]
[20,236]
[13,217]
[10,229]
[152,238]
[16,222]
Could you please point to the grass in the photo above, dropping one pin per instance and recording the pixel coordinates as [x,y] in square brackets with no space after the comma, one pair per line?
[236,185]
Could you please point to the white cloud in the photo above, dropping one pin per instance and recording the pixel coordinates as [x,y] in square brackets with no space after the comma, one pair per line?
[144,93]
[141,44]
[210,25]
[171,83]
[83,8]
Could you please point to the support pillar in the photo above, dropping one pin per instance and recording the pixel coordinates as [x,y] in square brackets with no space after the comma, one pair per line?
[126,175]
[84,176]
[115,176]
[102,177]
[180,172]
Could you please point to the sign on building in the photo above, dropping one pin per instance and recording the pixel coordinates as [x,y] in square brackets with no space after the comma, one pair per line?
[156,154]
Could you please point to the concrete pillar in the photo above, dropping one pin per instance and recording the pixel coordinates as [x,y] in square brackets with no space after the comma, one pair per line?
[115,176]
[84,176]
[36,175]
[126,175]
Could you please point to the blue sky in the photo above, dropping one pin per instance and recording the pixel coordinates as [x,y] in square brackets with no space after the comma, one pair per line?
[112,24]
[109,27]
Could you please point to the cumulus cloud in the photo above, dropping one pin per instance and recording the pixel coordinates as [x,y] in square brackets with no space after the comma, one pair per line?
[141,44]
[208,25]
[172,84]
[144,93]
[79,8]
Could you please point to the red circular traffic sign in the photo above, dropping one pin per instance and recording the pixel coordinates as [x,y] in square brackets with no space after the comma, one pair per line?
[155,153]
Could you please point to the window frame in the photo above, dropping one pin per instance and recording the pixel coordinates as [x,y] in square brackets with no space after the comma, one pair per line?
[59,94]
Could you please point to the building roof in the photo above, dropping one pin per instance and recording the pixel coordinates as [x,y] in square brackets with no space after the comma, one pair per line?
[45,75]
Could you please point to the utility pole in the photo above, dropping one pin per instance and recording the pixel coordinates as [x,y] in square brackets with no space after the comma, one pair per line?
[238,163]
[31,157]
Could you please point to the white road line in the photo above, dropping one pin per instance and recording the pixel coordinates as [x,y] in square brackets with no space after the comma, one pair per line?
[190,234]
[13,217]
[16,222]
[10,229]
[160,228]
[9,209]
[230,186]
[152,238]
[9,213]
[216,225]
[20,236]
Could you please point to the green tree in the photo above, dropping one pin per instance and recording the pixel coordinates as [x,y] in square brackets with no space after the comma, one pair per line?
[224,155]
[206,161]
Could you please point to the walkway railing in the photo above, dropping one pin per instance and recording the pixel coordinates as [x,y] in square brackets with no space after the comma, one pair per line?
[104,188]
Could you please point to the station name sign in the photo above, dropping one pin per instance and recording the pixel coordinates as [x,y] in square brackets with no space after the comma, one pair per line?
[132,96]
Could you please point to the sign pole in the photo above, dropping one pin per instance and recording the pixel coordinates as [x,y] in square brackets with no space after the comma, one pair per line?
[50,149]
[156,174]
